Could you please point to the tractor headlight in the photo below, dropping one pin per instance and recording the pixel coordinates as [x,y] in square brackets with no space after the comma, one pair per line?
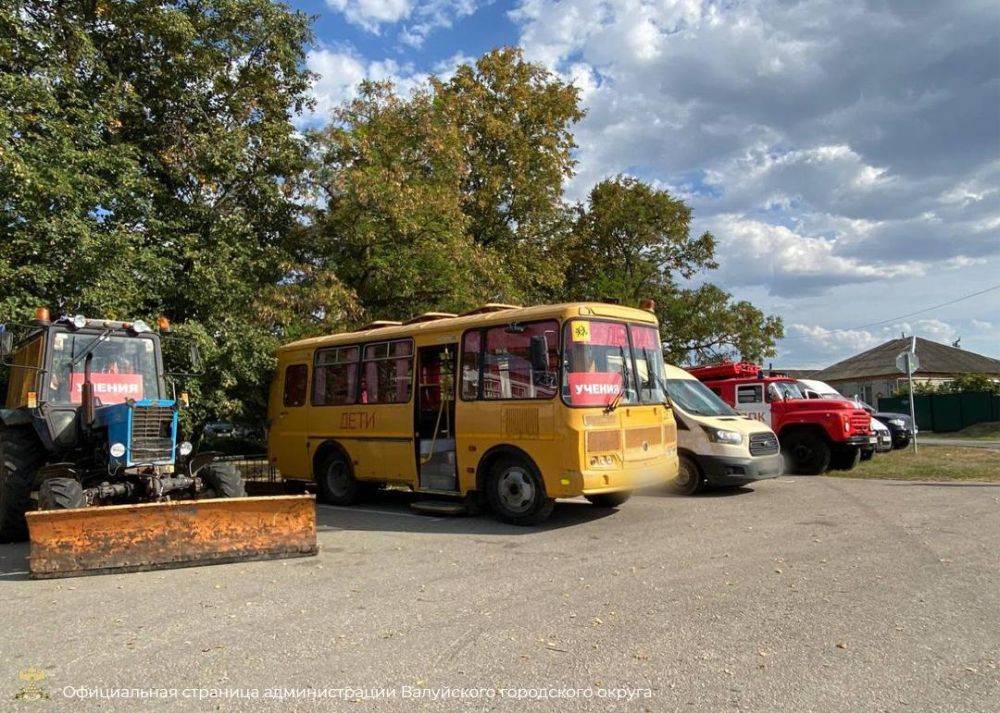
[117,450]
[721,435]
[185,448]
[78,321]
[140,327]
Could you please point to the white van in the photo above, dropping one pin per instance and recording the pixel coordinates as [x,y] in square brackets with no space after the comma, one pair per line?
[716,445]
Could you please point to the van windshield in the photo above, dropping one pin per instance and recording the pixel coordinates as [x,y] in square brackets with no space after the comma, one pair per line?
[695,398]
[122,368]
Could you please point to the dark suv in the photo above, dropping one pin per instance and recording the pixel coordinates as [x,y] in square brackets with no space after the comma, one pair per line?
[899,424]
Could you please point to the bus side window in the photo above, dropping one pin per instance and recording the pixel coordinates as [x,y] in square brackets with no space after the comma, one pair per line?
[471,344]
[296,382]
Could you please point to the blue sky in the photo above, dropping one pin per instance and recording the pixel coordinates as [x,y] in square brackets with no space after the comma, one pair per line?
[845,153]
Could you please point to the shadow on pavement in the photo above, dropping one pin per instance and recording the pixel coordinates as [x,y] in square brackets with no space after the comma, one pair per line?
[13,562]
[928,483]
[389,511]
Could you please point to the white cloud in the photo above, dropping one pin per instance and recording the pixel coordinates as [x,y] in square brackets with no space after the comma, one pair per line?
[371,14]
[421,16]
[862,136]
[817,347]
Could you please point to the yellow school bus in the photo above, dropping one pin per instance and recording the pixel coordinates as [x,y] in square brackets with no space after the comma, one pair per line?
[516,406]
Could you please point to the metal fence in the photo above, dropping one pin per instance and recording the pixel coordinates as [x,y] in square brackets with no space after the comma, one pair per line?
[254,468]
[946,412]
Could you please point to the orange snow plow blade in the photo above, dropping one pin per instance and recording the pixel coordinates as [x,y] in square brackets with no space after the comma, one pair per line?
[184,533]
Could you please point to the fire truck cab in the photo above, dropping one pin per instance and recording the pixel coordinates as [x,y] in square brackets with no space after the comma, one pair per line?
[815,434]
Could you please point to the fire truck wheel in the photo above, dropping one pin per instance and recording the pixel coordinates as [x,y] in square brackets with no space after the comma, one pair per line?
[222,480]
[516,493]
[689,479]
[335,482]
[846,459]
[868,454]
[609,500]
[807,453]
[21,454]
[61,494]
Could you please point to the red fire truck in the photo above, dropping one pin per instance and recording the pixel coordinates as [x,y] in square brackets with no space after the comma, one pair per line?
[815,434]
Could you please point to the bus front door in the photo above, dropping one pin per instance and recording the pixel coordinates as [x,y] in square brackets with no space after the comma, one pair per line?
[434,418]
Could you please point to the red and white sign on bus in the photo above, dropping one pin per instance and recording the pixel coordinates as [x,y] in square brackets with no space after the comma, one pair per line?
[109,388]
[594,388]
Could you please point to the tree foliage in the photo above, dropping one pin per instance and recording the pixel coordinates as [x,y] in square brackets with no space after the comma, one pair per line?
[149,165]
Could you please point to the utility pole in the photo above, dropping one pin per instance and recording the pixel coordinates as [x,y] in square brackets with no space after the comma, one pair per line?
[909,377]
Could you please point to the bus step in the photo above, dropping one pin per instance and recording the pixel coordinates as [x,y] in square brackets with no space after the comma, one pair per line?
[440,507]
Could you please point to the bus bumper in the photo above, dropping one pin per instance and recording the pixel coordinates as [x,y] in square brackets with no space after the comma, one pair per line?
[635,477]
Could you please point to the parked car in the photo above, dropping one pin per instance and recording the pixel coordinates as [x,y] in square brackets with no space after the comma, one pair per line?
[715,444]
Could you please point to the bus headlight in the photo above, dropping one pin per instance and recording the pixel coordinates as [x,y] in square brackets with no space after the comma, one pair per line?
[721,435]
[185,448]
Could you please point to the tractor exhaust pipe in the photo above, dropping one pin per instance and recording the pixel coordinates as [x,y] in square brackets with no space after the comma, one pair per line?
[87,393]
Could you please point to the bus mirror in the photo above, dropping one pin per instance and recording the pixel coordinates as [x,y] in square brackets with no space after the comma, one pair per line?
[6,341]
[539,352]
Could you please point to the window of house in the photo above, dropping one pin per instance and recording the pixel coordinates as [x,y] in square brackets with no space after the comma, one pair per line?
[335,380]
[749,394]
[296,382]
[516,361]
[387,372]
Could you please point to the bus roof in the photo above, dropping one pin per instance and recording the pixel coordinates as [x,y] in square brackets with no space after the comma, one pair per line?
[438,322]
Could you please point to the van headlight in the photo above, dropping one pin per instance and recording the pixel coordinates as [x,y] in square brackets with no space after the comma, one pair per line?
[721,435]
[184,448]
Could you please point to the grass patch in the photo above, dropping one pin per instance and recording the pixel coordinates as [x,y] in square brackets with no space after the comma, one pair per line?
[986,431]
[941,463]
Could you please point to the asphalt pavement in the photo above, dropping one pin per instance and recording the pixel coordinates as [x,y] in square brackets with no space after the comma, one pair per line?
[800,594]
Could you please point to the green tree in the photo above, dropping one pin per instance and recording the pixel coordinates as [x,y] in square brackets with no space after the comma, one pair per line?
[392,226]
[632,241]
[148,165]
[515,119]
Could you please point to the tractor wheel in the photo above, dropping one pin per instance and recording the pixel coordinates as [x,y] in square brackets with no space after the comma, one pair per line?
[222,480]
[21,455]
[61,494]
[806,453]
[609,500]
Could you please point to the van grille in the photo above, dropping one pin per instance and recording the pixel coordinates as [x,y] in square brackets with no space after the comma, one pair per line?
[763,444]
[152,434]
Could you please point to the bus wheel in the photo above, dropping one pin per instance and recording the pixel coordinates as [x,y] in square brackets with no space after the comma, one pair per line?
[688,480]
[807,453]
[517,494]
[609,500]
[335,482]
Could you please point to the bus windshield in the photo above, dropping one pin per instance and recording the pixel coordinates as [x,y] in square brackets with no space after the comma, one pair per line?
[695,398]
[599,360]
[122,368]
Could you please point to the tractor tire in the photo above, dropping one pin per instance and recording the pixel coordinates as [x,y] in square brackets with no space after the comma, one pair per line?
[61,494]
[609,500]
[806,453]
[222,480]
[21,455]
[516,492]
[846,459]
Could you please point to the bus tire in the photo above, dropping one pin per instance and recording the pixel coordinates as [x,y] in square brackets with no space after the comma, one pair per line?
[61,494]
[689,479]
[516,492]
[335,483]
[806,453]
[609,500]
